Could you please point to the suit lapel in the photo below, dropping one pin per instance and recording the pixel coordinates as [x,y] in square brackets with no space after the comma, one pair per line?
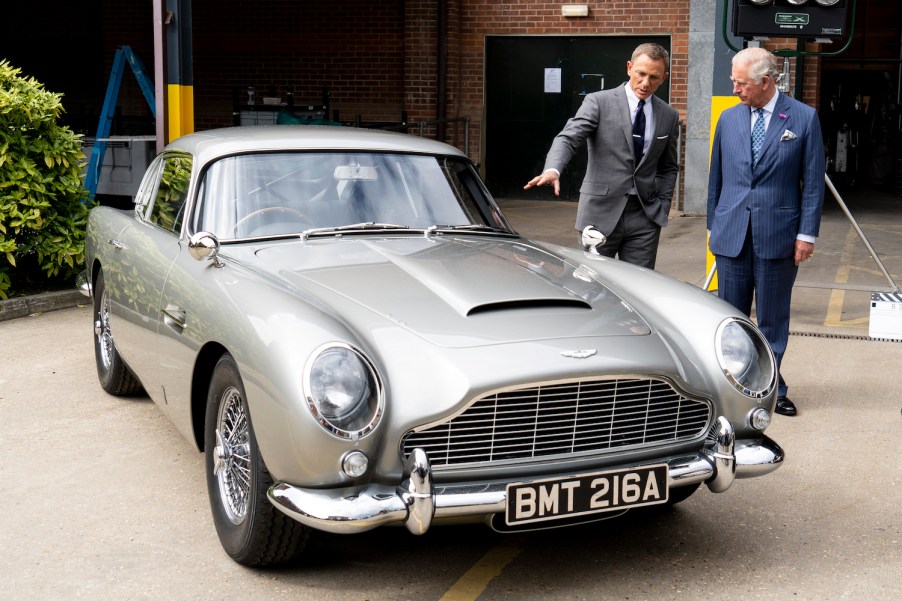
[625,118]
[777,125]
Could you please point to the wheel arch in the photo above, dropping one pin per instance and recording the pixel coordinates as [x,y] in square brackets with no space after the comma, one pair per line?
[200,384]
[94,270]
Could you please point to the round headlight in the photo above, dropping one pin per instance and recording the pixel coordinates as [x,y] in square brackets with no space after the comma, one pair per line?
[342,390]
[827,2]
[745,358]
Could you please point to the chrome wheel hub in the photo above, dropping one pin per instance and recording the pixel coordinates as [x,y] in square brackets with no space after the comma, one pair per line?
[102,331]
[231,456]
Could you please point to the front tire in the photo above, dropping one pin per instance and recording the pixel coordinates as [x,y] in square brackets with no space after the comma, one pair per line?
[252,531]
[114,375]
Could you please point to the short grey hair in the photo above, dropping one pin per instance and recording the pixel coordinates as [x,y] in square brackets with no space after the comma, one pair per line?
[759,63]
[655,52]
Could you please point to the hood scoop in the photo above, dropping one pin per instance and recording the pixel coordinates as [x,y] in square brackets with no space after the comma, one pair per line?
[536,303]
[457,291]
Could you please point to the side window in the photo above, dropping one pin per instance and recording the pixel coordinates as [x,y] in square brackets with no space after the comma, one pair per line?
[172,192]
[148,185]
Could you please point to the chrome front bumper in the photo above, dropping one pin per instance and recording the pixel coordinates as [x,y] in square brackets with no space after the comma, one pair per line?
[417,503]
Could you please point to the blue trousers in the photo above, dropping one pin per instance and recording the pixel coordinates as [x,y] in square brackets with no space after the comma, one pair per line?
[768,282]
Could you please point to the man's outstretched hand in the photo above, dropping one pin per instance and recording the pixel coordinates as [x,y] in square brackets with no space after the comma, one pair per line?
[548,177]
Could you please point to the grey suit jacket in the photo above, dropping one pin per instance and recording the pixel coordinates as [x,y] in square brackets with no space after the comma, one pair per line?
[605,124]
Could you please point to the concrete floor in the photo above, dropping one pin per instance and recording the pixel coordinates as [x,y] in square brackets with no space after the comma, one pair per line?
[822,304]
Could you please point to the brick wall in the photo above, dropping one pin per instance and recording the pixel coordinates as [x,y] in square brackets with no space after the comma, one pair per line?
[375,59]
[352,51]
[480,18]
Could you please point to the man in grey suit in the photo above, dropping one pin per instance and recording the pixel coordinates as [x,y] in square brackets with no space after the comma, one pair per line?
[632,169]
[765,195]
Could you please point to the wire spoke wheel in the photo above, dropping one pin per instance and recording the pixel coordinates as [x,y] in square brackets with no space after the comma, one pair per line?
[252,531]
[103,333]
[114,375]
[232,463]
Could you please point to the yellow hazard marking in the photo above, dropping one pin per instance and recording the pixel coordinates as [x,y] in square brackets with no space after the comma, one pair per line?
[838,297]
[474,582]
[180,111]
[718,105]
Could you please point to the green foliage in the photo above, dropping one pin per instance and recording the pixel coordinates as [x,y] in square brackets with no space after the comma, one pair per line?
[43,203]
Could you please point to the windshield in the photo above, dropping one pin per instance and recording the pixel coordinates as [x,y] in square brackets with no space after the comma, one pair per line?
[275,194]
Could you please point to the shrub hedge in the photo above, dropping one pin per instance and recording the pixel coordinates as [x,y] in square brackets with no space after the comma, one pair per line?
[43,203]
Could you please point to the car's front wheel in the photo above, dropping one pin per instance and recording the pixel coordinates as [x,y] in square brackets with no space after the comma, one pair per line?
[252,531]
[114,375]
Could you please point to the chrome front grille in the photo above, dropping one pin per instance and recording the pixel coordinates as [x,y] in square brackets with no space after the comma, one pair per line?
[559,419]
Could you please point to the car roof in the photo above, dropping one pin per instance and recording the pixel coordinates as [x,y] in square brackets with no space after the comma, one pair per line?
[211,144]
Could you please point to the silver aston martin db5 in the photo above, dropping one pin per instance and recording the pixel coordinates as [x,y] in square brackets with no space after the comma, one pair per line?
[345,324]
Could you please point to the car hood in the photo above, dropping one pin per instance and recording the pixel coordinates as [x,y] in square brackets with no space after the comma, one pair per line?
[454,290]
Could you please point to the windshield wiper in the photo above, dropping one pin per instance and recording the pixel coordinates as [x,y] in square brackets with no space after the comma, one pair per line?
[358,227]
[469,227]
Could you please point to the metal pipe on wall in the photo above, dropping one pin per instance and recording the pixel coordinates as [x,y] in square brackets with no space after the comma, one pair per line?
[441,101]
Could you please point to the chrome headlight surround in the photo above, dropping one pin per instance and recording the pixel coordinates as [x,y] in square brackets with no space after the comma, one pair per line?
[745,358]
[343,391]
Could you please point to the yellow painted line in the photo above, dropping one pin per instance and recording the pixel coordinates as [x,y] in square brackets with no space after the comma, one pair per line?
[472,584]
[838,297]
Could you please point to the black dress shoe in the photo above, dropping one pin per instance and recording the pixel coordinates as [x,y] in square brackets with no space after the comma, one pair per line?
[785,406]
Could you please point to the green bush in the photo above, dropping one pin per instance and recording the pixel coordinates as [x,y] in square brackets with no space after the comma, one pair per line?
[43,203]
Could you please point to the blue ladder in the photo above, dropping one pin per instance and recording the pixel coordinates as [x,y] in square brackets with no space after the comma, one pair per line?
[95,163]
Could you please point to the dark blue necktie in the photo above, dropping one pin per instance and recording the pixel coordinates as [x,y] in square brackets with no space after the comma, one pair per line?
[639,132]
[757,135]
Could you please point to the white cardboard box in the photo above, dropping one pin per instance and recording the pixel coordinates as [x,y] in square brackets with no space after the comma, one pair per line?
[886,315]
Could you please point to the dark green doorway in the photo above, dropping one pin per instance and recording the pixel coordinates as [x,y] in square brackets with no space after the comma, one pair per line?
[524,111]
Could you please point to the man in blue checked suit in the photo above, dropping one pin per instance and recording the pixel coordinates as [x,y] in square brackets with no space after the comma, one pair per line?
[765,195]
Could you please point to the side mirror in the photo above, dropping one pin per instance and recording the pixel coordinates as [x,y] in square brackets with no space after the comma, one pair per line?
[592,238]
[204,245]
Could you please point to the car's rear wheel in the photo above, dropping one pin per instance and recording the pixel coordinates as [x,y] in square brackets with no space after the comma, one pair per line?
[252,531]
[114,375]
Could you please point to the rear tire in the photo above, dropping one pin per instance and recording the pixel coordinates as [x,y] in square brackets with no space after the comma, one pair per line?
[252,531]
[114,375]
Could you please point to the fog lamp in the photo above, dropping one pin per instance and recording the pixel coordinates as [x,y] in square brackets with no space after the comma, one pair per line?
[759,418]
[355,464]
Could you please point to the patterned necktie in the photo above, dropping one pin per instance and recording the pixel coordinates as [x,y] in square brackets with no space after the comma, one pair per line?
[757,135]
[639,132]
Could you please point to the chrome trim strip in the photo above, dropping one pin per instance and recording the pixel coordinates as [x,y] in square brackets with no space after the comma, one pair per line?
[418,503]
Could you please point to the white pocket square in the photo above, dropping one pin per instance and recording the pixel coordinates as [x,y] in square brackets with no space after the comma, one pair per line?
[787,135]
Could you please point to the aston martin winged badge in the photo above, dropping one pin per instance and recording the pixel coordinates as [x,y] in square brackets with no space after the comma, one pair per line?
[581,354]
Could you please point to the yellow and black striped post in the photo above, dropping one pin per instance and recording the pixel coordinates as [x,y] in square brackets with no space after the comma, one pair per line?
[179,69]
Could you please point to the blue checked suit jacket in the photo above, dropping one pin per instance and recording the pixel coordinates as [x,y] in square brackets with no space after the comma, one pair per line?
[782,196]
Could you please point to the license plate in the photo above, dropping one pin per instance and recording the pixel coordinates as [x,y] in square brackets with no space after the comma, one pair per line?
[546,500]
